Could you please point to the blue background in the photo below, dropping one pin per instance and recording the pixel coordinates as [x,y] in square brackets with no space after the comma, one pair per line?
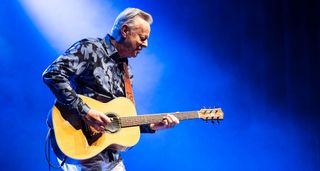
[258,60]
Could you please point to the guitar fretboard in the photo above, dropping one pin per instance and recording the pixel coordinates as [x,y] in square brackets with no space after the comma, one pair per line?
[153,118]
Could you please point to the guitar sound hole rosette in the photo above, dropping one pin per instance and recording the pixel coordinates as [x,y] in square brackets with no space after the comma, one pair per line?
[114,126]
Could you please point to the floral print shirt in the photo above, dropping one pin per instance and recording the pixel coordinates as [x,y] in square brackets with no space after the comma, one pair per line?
[91,67]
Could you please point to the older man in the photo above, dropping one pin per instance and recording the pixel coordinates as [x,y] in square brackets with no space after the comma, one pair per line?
[96,68]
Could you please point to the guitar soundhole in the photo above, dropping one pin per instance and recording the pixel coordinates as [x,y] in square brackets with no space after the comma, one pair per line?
[112,128]
[115,123]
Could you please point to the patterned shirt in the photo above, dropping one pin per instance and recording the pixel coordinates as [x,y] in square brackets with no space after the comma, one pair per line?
[91,67]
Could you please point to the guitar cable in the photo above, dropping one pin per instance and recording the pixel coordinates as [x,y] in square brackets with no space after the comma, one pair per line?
[47,151]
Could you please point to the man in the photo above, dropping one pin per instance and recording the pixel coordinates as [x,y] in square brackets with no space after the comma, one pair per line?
[96,68]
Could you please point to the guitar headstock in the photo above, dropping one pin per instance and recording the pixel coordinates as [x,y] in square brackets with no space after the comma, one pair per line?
[211,114]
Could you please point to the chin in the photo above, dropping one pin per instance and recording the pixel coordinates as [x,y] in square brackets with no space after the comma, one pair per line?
[134,55]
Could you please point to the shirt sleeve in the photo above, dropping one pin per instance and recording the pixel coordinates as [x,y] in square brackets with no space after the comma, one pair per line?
[146,129]
[59,75]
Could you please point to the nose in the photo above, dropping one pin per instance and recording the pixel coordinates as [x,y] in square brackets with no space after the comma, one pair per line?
[145,43]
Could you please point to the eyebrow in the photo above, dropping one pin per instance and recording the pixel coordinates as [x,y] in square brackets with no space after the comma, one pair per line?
[145,37]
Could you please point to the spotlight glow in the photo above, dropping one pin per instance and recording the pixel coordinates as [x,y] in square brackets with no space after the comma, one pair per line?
[64,22]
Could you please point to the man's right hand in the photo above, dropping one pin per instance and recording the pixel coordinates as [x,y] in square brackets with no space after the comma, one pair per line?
[97,120]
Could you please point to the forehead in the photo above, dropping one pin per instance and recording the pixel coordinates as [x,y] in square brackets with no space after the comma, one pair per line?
[142,26]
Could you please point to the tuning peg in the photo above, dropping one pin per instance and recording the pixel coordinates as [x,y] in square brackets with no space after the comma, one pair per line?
[218,120]
[206,120]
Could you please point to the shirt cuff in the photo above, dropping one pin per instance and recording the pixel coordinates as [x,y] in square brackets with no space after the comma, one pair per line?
[146,129]
[82,108]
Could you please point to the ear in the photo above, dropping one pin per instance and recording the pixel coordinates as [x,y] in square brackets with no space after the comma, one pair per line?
[124,30]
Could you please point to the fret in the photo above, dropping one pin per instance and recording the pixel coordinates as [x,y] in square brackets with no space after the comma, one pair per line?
[153,118]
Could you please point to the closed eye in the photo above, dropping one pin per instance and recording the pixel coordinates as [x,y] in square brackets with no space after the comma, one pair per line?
[143,38]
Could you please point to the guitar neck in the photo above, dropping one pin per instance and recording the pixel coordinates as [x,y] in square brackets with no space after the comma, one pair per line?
[153,118]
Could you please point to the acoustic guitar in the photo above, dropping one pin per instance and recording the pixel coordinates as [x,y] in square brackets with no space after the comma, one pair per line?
[79,141]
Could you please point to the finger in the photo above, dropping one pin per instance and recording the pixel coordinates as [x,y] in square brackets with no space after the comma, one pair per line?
[95,118]
[169,118]
[99,122]
[101,119]
[105,119]
[175,119]
[93,123]
[102,129]
[97,127]
[165,122]
[170,121]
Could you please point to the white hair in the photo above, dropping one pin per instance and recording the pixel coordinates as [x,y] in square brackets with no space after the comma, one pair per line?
[128,17]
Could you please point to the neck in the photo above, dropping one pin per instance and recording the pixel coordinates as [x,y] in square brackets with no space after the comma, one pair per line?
[119,48]
[130,121]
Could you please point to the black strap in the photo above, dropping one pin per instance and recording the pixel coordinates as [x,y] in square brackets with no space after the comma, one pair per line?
[110,155]
[47,151]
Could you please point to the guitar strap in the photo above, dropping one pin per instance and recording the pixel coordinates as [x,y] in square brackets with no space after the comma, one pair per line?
[127,83]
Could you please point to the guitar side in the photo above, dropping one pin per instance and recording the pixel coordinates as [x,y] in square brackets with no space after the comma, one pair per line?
[72,140]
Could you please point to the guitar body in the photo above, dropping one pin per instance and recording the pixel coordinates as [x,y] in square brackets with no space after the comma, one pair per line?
[78,141]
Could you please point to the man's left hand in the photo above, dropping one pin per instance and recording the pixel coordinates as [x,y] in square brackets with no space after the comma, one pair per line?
[169,121]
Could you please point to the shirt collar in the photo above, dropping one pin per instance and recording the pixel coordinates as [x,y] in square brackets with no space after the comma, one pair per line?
[111,50]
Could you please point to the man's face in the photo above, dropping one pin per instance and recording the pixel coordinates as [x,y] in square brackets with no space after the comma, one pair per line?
[136,38]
